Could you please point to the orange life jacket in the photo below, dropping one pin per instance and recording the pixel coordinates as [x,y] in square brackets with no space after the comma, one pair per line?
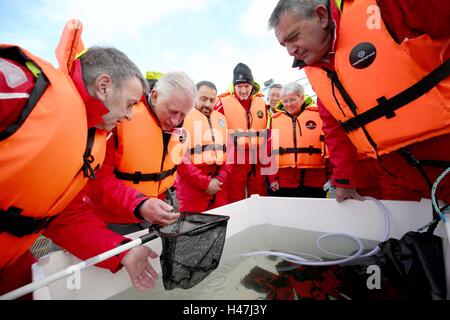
[206,137]
[387,95]
[298,142]
[245,128]
[70,45]
[44,159]
[141,159]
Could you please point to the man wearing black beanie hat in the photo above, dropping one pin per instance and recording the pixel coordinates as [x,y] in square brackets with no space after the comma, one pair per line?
[245,111]
[242,74]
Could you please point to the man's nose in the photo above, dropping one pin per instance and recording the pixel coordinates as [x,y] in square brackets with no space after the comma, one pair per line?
[175,120]
[291,49]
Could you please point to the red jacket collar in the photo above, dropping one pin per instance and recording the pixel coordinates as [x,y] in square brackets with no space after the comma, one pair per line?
[245,103]
[95,108]
[151,108]
[329,63]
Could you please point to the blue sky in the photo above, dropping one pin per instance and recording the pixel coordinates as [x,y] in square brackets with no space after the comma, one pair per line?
[205,38]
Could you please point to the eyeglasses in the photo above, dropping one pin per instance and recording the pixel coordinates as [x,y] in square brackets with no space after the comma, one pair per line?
[290,100]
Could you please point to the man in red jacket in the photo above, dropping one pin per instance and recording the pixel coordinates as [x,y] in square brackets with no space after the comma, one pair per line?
[310,31]
[122,205]
[108,98]
[245,111]
[110,201]
[201,182]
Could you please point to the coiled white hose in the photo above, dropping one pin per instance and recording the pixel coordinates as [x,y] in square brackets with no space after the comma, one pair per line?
[297,259]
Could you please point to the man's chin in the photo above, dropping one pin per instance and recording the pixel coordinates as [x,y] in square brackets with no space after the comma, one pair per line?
[106,128]
[310,60]
[167,128]
[206,112]
[244,98]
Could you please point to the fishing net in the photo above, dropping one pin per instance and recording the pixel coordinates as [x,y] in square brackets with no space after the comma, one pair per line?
[191,248]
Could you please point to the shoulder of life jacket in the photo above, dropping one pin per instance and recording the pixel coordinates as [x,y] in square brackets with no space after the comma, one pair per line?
[379,84]
[70,45]
[42,156]
[278,114]
[223,95]
[142,160]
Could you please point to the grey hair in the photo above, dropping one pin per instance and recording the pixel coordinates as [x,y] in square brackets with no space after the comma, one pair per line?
[294,87]
[208,84]
[275,86]
[175,81]
[113,62]
[303,8]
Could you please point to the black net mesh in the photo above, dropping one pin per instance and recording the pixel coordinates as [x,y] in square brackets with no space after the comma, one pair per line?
[191,249]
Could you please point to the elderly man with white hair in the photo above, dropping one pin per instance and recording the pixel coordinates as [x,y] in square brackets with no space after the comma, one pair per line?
[140,165]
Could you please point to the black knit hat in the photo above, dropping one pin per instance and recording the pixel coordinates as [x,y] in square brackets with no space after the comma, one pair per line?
[242,74]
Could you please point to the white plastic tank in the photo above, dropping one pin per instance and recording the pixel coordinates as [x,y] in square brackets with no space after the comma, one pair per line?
[362,219]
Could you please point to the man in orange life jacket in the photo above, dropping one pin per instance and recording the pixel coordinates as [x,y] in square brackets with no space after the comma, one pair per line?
[202,176]
[299,154]
[142,158]
[96,96]
[245,111]
[358,55]
[273,101]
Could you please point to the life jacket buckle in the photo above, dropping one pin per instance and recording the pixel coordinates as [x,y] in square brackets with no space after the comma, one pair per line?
[88,171]
[14,223]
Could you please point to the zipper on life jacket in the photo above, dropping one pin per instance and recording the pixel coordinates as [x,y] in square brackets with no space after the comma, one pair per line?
[165,148]
[212,136]
[294,127]
[334,78]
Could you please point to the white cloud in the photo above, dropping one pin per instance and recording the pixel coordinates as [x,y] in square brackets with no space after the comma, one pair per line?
[218,63]
[109,20]
[253,22]
[170,57]
[136,28]
[34,45]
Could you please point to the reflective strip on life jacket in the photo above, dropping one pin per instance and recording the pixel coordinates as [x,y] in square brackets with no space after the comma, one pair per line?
[7,96]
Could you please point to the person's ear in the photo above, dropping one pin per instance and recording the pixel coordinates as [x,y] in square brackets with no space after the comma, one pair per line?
[103,84]
[321,12]
[154,97]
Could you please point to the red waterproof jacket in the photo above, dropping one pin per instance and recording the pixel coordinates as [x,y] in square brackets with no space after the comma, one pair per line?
[112,200]
[81,228]
[193,180]
[105,200]
[295,177]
